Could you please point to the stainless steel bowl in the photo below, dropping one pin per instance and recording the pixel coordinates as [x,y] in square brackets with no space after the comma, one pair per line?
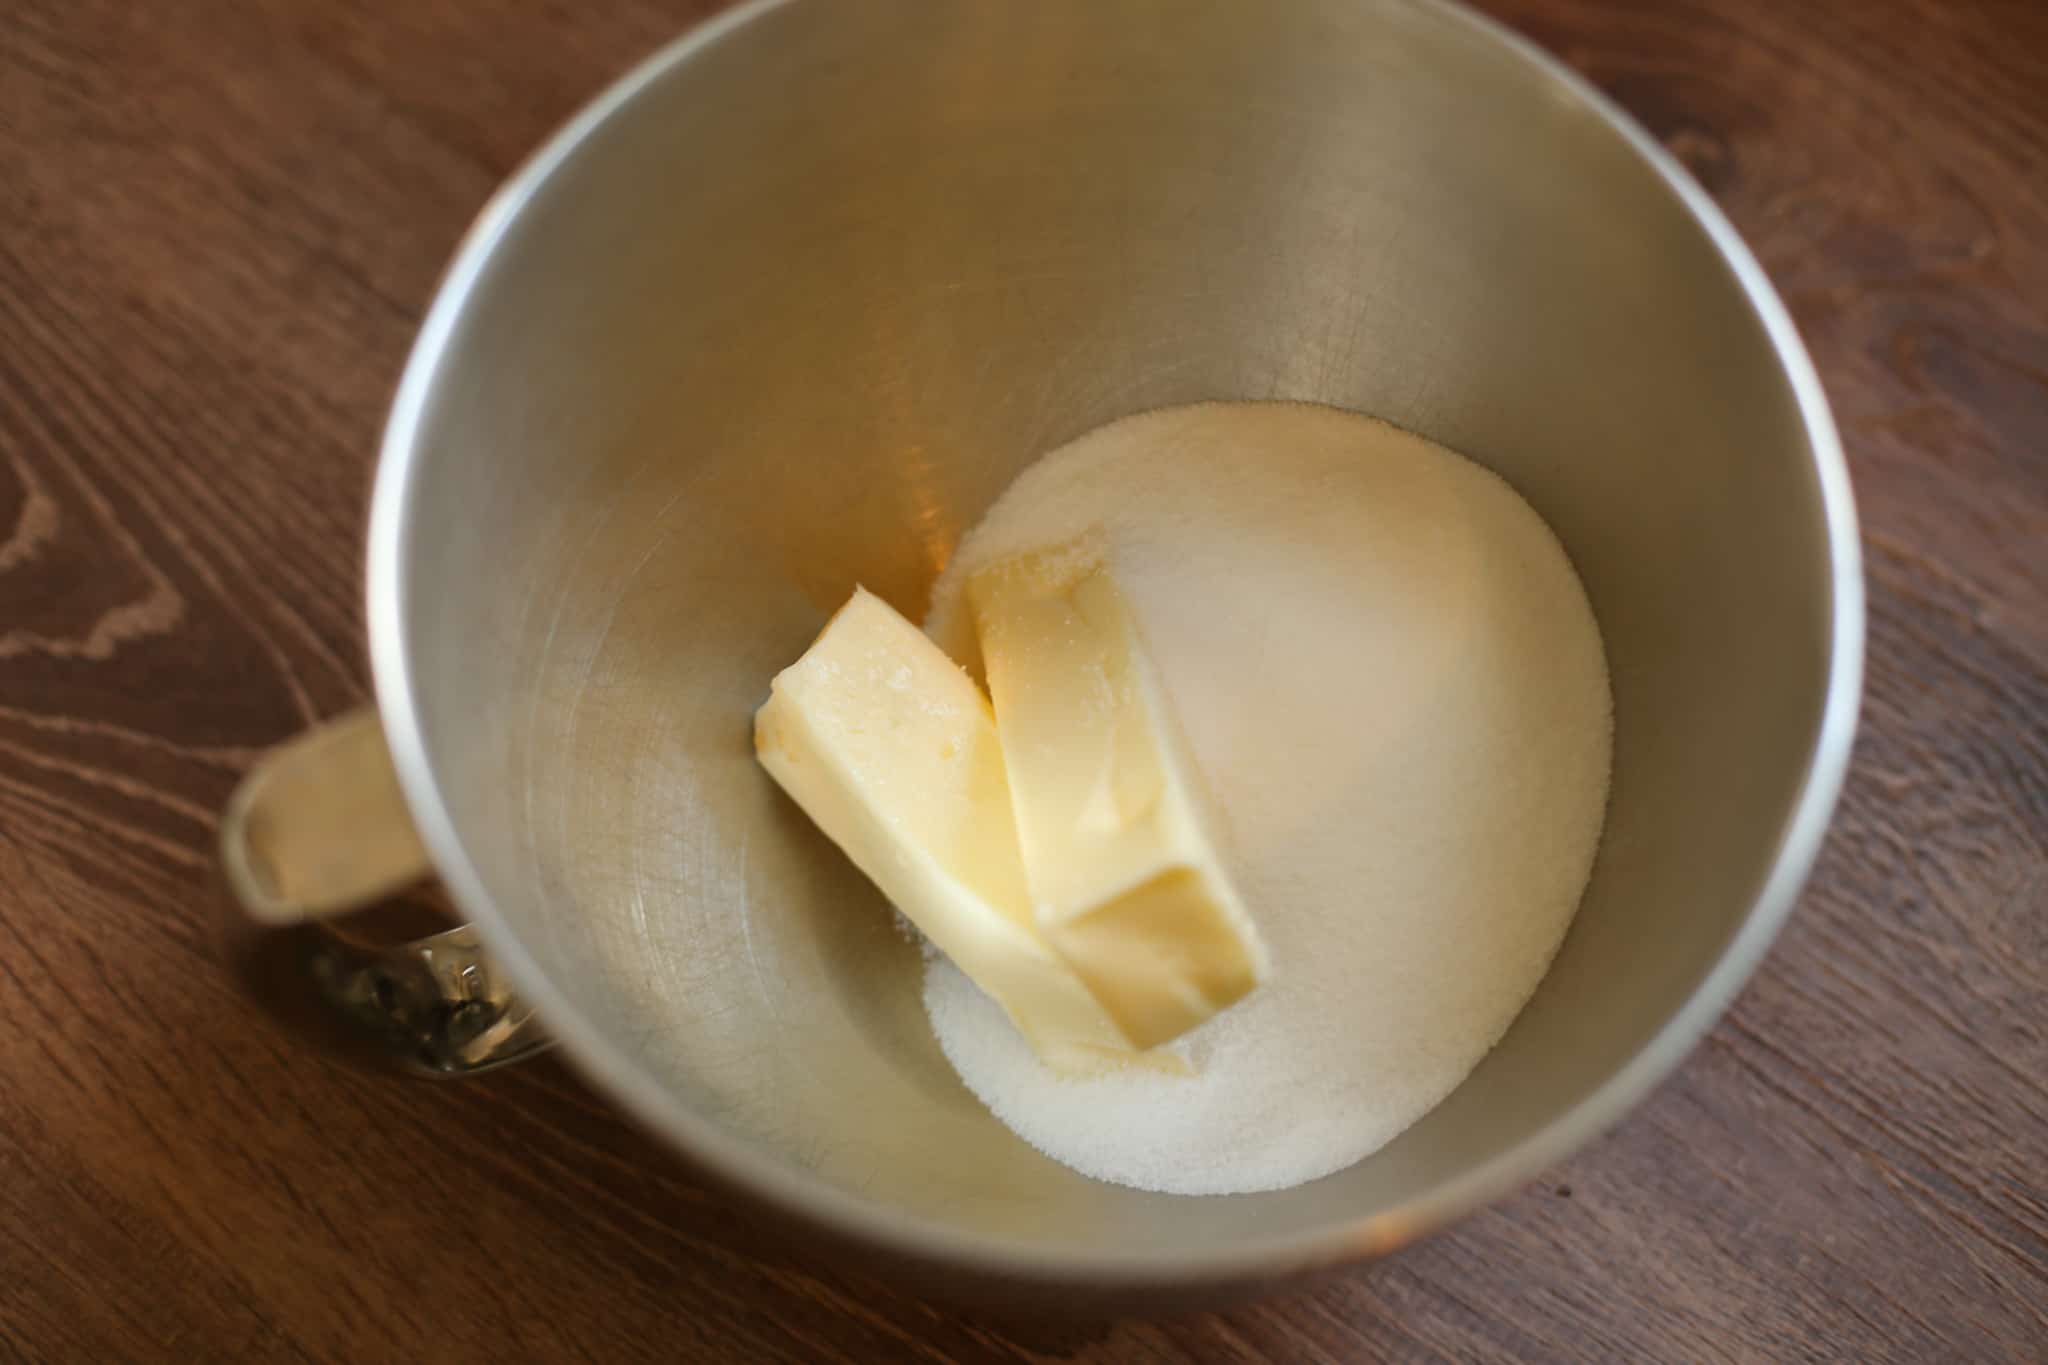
[786,308]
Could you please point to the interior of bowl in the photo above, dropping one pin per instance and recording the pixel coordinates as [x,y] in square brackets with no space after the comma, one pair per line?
[793,314]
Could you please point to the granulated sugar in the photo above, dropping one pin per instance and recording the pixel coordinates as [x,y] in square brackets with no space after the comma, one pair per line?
[1391,681]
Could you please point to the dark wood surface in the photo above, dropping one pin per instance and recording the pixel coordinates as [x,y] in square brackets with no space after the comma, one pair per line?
[220,222]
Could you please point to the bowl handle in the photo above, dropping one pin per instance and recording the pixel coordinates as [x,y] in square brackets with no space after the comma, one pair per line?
[318,830]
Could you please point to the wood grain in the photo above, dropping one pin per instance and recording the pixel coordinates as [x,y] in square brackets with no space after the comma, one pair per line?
[220,222]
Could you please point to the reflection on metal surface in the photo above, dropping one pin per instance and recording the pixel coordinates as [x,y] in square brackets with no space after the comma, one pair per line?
[438,1004]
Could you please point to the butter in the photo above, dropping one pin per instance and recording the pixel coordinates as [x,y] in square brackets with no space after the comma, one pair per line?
[891,749]
[1125,882]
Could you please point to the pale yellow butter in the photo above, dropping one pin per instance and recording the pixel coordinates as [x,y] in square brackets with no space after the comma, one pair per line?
[1125,882]
[891,749]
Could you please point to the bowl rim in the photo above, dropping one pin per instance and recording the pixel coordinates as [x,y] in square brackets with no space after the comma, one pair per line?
[787,1187]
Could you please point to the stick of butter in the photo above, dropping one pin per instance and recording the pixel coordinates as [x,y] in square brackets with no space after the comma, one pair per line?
[1126,885]
[891,749]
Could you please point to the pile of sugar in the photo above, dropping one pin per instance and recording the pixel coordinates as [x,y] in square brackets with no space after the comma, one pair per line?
[1393,685]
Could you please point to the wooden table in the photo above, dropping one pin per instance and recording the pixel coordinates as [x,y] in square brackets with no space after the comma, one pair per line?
[220,222]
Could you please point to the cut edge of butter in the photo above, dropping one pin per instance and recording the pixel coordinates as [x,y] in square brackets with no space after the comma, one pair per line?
[891,750]
[1127,885]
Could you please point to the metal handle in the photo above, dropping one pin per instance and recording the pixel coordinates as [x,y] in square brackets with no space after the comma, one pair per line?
[319,829]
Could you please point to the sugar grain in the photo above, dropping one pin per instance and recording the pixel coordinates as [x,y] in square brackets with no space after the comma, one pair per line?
[1392,682]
